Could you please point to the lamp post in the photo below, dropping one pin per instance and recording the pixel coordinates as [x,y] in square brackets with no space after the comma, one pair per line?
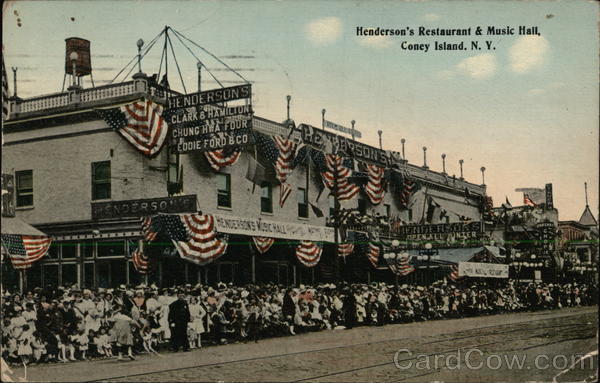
[392,257]
[427,254]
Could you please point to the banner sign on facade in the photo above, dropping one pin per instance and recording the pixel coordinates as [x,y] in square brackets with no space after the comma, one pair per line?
[549,198]
[8,195]
[202,122]
[265,228]
[482,270]
[343,129]
[143,207]
[343,146]
[439,232]
[546,235]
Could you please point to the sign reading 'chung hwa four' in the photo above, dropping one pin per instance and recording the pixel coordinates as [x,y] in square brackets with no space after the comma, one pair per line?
[265,228]
[208,120]
[143,207]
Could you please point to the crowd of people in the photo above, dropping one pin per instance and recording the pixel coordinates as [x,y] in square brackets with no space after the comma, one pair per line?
[68,324]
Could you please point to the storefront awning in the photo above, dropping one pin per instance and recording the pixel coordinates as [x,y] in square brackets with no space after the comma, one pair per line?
[14,225]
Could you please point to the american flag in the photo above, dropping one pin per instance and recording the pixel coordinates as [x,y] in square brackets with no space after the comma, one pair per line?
[373,254]
[222,157]
[193,235]
[141,123]
[24,250]
[454,273]
[345,249]
[280,152]
[308,253]
[374,187]
[399,264]
[528,201]
[263,244]
[338,173]
[406,188]
[139,259]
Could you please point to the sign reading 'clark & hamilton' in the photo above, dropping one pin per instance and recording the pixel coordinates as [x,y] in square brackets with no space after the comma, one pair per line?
[143,207]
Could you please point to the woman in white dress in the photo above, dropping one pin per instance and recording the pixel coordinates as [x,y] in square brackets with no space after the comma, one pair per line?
[197,314]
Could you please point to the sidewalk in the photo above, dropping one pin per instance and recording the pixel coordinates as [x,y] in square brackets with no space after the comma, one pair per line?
[144,364]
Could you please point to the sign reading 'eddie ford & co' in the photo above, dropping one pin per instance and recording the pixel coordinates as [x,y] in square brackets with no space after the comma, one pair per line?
[143,207]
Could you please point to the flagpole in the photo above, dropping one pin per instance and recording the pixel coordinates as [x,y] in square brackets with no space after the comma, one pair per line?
[323,119]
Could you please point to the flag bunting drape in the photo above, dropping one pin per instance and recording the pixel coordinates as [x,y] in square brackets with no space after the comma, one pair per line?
[25,250]
[263,244]
[308,253]
[221,158]
[400,265]
[338,175]
[193,235]
[140,123]
[345,249]
[374,187]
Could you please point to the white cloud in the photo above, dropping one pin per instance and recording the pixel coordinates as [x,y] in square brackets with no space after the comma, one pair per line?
[324,31]
[431,17]
[527,53]
[375,41]
[478,67]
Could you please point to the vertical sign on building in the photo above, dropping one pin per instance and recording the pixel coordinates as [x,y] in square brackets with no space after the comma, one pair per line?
[8,195]
[549,201]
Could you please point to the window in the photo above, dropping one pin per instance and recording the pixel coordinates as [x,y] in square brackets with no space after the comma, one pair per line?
[100,180]
[331,200]
[388,210]
[69,250]
[223,190]
[174,176]
[302,203]
[266,198]
[362,206]
[24,188]
[111,248]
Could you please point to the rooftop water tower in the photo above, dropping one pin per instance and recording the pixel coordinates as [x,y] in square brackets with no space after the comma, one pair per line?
[78,61]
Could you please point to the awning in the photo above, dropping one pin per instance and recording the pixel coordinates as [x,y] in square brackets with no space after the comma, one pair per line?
[14,225]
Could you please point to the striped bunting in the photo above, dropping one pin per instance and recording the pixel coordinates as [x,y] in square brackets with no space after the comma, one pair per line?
[141,123]
[284,166]
[336,171]
[374,187]
[308,253]
[263,244]
[25,250]
[222,157]
[373,254]
[345,249]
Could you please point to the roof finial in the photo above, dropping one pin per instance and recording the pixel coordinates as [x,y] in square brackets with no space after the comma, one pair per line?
[586,197]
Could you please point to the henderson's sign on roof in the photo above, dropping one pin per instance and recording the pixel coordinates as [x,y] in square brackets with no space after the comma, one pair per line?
[321,139]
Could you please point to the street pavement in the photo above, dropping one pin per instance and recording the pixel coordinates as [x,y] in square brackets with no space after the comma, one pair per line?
[478,349]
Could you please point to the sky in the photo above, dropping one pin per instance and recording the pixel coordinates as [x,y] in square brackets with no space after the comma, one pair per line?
[527,110]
